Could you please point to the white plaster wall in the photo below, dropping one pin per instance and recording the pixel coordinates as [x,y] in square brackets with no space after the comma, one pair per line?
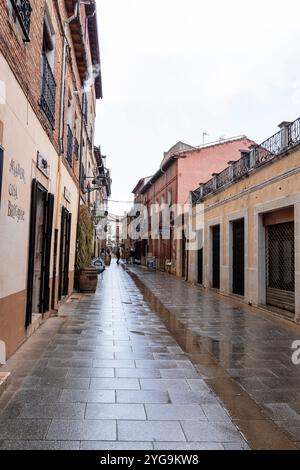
[23,137]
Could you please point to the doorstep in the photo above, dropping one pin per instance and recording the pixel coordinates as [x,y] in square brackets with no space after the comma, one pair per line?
[37,320]
[4,381]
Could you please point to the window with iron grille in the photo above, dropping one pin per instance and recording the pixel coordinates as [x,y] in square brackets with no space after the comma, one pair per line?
[280,243]
[70,146]
[21,12]
[48,89]
[281,257]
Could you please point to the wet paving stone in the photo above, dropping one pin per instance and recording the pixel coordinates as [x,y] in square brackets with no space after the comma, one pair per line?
[24,428]
[150,431]
[87,396]
[139,373]
[117,445]
[115,384]
[164,384]
[210,432]
[96,372]
[72,430]
[115,411]
[179,396]
[189,446]
[239,352]
[53,410]
[215,412]
[142,396]
[40,445]
[107,375]
[175,412]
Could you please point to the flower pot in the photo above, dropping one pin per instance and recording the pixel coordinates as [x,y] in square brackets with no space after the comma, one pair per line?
[88,280]
[107,260]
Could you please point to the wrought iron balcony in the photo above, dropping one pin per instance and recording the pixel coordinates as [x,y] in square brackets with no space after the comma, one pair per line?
[48,92]
[223,177]
[268,149]
[241,167]
[294,132]
[70,146]
[275,146]
[22,9]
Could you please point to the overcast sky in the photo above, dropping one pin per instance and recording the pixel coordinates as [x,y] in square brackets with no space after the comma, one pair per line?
[173,69]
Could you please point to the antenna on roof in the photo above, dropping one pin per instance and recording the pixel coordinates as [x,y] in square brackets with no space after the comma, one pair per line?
[204,134]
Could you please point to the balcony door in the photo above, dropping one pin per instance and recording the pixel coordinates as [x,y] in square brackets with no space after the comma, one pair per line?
[238,257]
[216,257]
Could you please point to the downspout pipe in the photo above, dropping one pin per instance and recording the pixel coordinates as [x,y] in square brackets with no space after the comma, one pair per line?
[61,117]
[63,76]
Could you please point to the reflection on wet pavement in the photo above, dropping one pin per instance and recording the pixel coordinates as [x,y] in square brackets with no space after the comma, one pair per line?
[245,359]
[107,374]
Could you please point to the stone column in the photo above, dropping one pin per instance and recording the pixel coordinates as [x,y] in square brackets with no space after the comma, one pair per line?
[284,128]
[252,156]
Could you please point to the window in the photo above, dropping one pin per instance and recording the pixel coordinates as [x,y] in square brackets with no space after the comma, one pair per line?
[76,143]
[85,108]
[69,132]
[48,82]
[21,13]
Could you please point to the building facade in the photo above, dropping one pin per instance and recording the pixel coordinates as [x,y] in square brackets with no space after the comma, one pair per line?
[49,82]
[183,167]
[100,203]
[247,220]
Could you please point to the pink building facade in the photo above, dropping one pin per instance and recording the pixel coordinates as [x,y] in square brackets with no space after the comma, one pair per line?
[182,170]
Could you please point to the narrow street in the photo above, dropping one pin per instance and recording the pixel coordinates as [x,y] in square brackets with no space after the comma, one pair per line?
[107,374]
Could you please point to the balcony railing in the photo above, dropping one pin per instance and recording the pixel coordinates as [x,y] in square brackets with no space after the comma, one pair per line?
[208,187]
[294,132]
[22,9]
[223,177]
[273,147]
[241,167]
[268,149]
[70,146]
[48,92]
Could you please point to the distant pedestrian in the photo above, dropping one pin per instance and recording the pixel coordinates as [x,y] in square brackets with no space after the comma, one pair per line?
[132,254]
[118,255]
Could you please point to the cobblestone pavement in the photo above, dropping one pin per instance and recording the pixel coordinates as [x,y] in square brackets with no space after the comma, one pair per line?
[242,350]
[107,374]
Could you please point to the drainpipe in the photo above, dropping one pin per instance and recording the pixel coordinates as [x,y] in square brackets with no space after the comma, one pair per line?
[63,76]
[61,116]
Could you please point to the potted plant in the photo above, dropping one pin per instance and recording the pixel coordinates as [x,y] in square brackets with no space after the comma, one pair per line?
[88,276]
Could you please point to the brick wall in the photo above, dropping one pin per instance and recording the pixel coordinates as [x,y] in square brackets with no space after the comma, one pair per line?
[25,60]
